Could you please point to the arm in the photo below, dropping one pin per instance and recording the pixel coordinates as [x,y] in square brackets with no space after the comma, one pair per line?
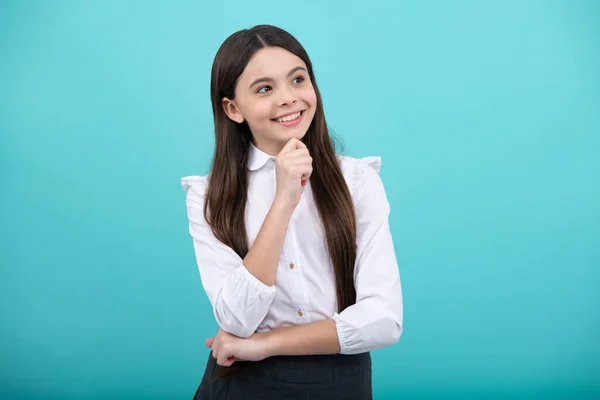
[240,291]
[293,167]
[315,338]
[376,319]
[373,322]
[263,257]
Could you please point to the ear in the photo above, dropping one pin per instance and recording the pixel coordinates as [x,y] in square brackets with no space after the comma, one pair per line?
[232,110]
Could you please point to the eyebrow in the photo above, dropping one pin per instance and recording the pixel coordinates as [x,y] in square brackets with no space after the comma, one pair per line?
[271,79]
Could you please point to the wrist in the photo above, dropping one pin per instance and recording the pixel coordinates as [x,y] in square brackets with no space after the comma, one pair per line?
[273,343]
[280,205]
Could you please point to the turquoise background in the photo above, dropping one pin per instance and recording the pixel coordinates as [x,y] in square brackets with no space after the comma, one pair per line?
[486,114]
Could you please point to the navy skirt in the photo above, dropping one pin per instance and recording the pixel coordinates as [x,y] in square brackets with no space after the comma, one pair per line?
[291,377]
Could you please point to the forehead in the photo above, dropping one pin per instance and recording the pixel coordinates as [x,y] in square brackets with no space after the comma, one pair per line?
[271,62]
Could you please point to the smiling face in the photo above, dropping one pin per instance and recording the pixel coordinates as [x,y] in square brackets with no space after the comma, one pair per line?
[275,96]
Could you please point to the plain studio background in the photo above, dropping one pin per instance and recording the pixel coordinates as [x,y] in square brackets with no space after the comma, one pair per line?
[486,114]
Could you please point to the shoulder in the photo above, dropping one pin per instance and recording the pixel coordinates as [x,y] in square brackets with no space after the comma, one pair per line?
[360,171]
[194,182]
[366,188]
[195,187]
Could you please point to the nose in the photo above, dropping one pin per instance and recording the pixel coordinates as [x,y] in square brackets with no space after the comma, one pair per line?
[286,97]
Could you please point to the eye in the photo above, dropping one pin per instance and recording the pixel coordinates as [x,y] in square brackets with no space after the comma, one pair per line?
[264,89]
[299,79]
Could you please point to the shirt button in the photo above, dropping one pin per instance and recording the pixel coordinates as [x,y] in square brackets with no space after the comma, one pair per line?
[300,313]
[292,266]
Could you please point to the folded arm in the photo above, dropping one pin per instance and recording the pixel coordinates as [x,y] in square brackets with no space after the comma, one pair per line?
[240,291]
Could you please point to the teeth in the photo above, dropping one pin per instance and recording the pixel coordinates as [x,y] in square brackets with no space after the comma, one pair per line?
[288,118]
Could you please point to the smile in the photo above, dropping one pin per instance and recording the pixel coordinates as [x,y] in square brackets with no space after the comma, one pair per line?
[289,119]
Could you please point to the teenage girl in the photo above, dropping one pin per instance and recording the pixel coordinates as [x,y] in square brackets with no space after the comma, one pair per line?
[292,240]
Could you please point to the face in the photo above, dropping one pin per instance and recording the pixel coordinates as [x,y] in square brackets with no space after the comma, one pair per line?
[275,96]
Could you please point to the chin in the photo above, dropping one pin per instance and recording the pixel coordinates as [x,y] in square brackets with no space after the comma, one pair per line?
[288,134]
[298,135]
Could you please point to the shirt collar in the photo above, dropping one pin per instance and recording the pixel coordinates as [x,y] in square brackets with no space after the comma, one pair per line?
[257,158]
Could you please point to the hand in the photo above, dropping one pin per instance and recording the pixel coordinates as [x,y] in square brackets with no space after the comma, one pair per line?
[293,166]
[227,348]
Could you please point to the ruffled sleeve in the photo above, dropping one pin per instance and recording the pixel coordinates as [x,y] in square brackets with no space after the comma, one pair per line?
[197,182]
[361,167]
[354,170]
[373,162]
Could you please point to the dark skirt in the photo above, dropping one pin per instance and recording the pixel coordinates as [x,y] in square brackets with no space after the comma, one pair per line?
[290,378]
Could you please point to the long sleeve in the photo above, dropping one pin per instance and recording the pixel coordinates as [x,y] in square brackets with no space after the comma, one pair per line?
[239,300]
[375,321]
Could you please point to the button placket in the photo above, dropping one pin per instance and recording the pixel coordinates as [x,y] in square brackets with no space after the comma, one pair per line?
[295,270]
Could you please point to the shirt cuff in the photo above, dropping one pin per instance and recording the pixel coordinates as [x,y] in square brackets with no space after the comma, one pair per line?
[344,331]
[375,334]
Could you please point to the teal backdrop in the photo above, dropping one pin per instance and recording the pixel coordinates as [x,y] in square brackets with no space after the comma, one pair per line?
[486,115]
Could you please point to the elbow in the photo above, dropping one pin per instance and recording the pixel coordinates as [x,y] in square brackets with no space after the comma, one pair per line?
[242,303]
[395,333]
[233,324]
[393,330]
[237,330]
[389,332]
[396,324]
[383,332]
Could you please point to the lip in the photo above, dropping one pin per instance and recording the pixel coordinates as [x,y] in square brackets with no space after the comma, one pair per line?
[292,122]
[286,114]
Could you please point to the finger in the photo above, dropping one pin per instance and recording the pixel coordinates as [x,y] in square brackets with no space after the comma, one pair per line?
[289,146]
[298,161]
[298,153]
[209,342]
[303,150]
[304,171]
[300,145]
[215,347]
[229,362]
[224,356]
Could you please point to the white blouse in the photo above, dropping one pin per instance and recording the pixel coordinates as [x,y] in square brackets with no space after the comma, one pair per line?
[304,289]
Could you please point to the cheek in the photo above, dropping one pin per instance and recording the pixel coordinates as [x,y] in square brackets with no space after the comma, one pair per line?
[261,111]
[309,96]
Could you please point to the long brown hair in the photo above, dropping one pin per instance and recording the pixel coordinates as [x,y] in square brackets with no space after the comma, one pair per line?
[227,192]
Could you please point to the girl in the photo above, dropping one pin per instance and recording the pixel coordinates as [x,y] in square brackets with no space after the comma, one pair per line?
[292,241]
